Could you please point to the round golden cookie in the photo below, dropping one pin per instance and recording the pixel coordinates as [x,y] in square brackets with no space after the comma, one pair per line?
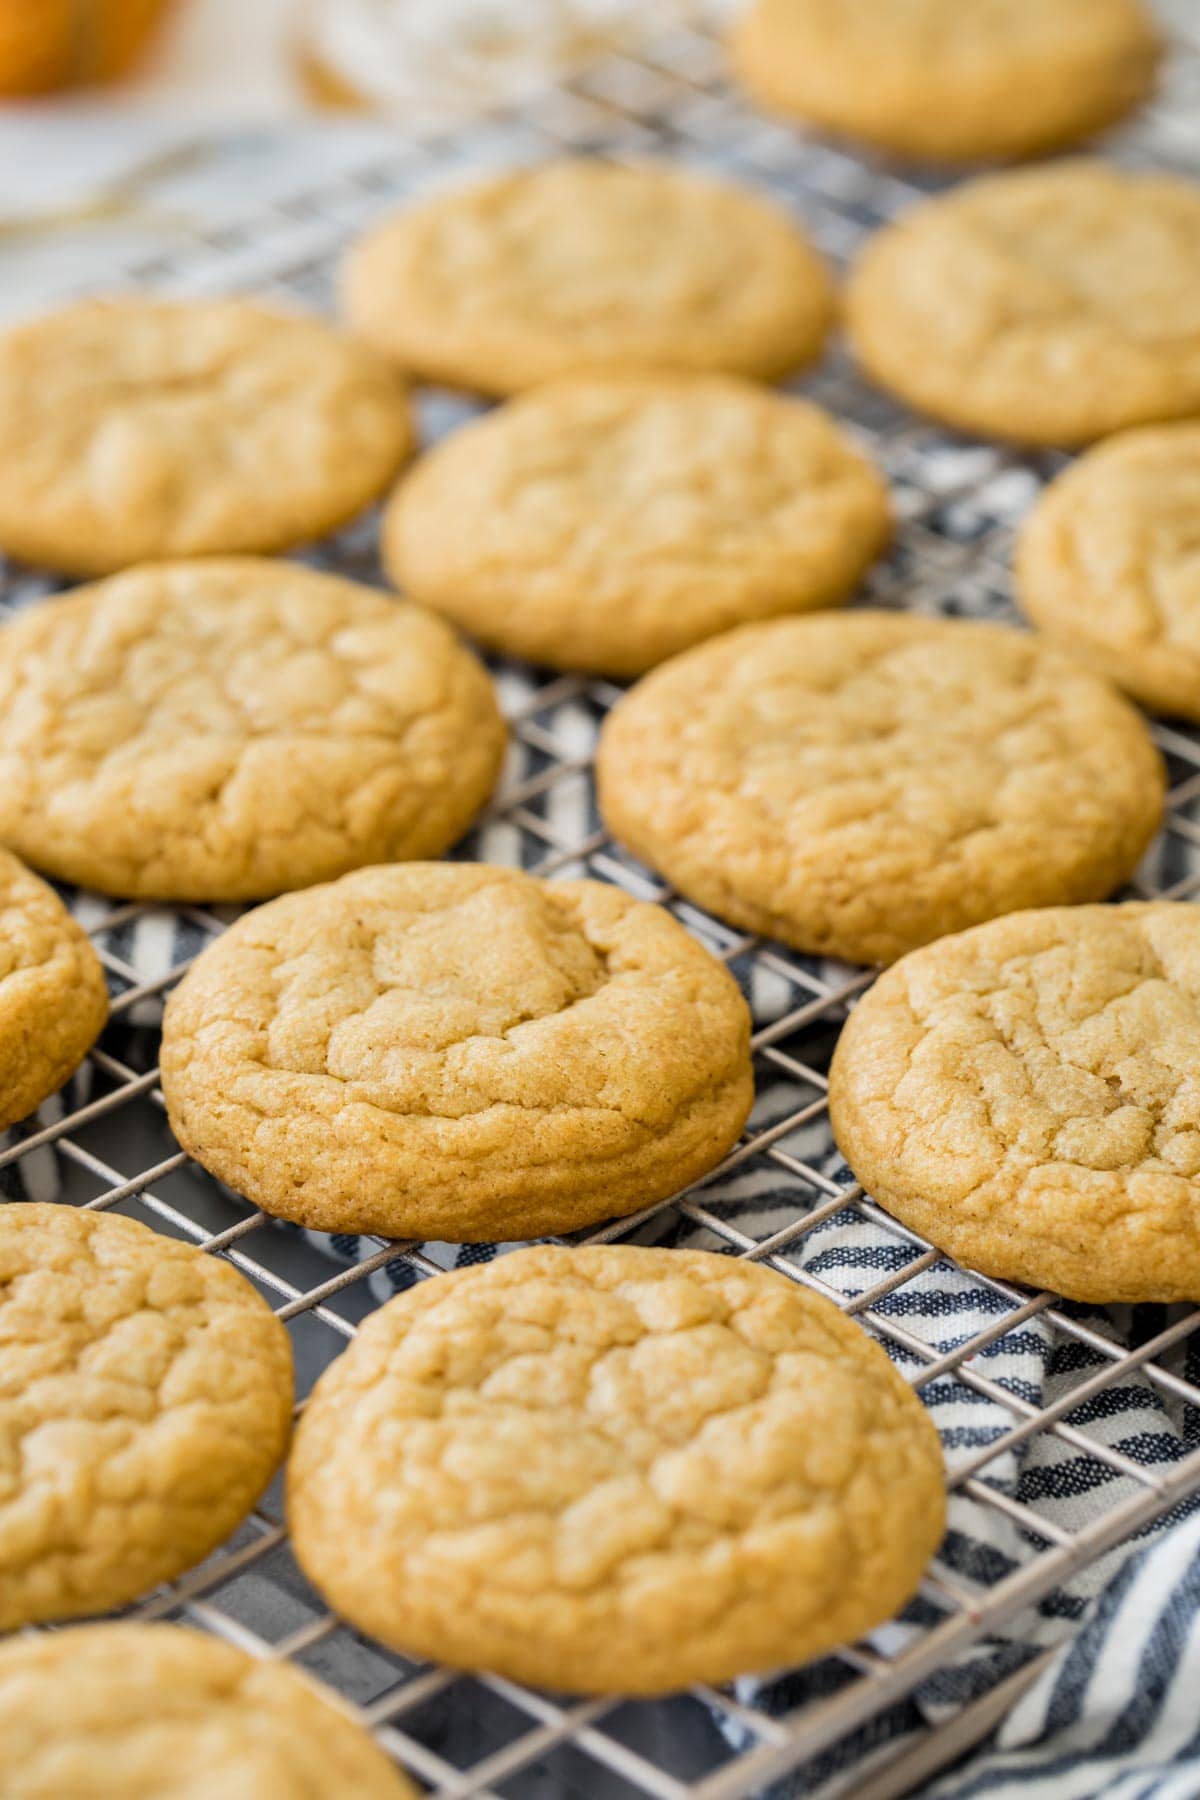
[614,1470]
[222,730]
[136,429]
[158,1712]
[858,784]
[952,80]
[53,995]
[576,265]
[453,1051]
[1048,306]
[1108,563]
[618,519]
[145,1403]
[1027,1096]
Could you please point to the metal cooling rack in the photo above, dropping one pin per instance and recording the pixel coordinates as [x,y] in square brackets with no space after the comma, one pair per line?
[245,214]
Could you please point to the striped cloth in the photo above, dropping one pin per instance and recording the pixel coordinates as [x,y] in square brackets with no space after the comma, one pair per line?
[1116,1716]
[1129,1625]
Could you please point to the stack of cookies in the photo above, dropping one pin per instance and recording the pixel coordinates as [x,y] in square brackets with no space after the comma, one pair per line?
[610,1469]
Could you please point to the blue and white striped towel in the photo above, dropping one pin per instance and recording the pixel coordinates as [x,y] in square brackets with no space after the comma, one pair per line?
[1116,1715]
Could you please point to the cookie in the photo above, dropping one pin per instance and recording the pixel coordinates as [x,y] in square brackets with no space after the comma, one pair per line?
[1107,564]
[1050,306]
[145,1403]
[856,785]
[941,80]
[577,265]
[53,995]
[1026,1096]
[222,730]
[136,429]
[614,1470]
[618,519]
[456,1052]
[158,1712]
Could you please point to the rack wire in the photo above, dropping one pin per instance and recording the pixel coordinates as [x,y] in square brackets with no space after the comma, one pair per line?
[1014,1576]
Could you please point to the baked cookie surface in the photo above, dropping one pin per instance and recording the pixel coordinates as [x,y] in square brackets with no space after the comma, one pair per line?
[948,81]
[225,729]
[137,429]
[145,1403]
[614,1470]
[53,995]
[1026,1096]
[583,264]
[160,1712]
[1108,564]
[458,1052]
[857,784]
[1047,306]
[618,519]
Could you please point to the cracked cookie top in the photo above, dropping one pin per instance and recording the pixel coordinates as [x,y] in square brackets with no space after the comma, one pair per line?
[222,730]
[617,520]
[583,264]
[614,1470]
[53,995]
[1049,306]
[136,429]
[160,1712]
[145,1403]
[456,1051]
[1108,563]
[935,78]
[858,784]
[1027,1096]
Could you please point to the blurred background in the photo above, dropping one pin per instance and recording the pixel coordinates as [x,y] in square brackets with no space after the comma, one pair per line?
[92,92]
[95,94]
[273,57]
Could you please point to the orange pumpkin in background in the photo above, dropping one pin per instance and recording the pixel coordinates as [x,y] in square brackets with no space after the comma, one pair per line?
[51,44]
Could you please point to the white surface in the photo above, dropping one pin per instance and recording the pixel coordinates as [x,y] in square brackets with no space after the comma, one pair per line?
[236,58]
[232,62]
[474,53]
[224,57]
[216,62]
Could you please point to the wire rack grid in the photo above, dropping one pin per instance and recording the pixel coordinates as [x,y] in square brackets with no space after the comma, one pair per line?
[1019,1562]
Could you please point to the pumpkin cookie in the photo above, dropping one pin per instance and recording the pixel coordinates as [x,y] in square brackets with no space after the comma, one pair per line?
[614,1470]
[1026,1096]
[579,265]
[948,81]
[618,519]
[145,1403]
[858,784]
[53,995]
[158,1712]
[135,429]
[459,1052]
[222,730]
[1050,306]
[1109,564]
